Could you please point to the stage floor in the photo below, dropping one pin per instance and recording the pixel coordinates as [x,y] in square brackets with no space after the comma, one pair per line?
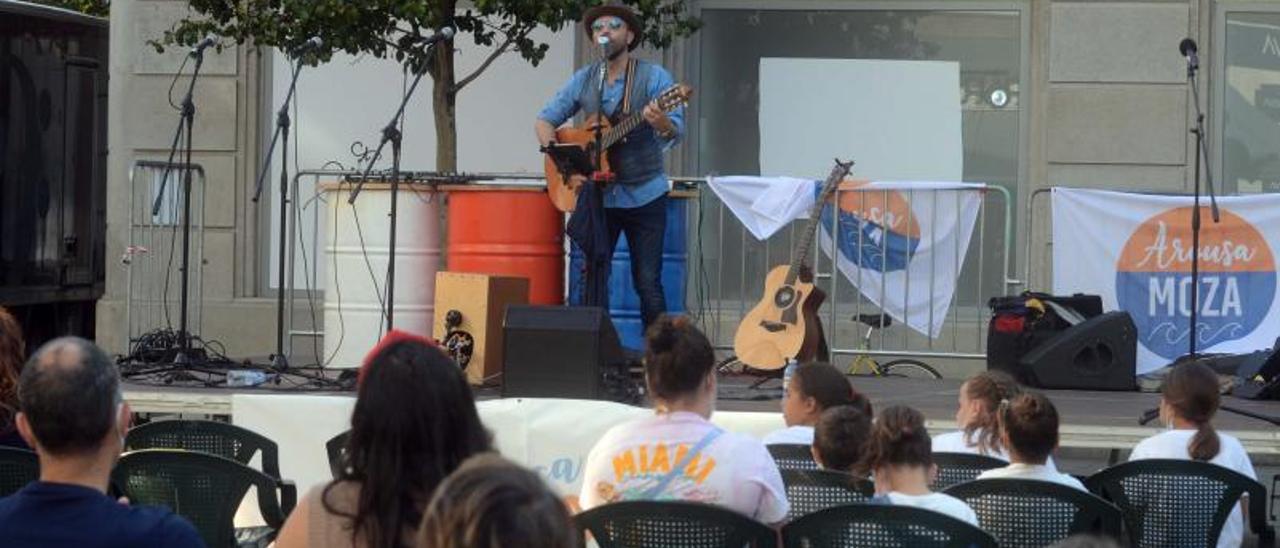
[1098,420]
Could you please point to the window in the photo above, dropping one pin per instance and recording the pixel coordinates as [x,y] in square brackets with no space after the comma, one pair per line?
[1250,102]
[987,44]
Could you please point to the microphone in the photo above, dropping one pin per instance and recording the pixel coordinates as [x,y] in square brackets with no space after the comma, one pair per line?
[1150,414]
[313,44]
[1188,49]
[208,41]
[444,33]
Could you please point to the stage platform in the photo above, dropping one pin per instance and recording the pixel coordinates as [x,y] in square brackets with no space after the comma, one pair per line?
[1095,420]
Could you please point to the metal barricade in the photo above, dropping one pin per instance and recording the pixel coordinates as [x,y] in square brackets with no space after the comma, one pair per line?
[727,267]
[729,279]
[152,257]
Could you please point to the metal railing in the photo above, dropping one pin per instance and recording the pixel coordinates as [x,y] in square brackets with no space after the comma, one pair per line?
[727,266]
[152,258]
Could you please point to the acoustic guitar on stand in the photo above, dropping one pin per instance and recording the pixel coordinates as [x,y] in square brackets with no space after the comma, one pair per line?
[574,152]
[784,325]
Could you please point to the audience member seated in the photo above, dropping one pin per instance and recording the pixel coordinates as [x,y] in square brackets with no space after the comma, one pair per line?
[414,423]
[1188,402]
[490,501]
[1028,426]
[1086,541]
[73,413]
[677,454]
[901,463]
[840,439]
[976,417]
[813,388]
[13,350]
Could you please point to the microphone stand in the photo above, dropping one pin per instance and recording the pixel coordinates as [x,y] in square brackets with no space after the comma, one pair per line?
[599,177]
[278,360]
[1201,151]
[185,127]
[391,133]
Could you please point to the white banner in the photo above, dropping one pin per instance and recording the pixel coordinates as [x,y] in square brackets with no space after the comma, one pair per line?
[551,436]
[1135,251]
[903,244]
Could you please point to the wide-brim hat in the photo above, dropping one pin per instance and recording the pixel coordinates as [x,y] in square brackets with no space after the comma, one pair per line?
[625,13]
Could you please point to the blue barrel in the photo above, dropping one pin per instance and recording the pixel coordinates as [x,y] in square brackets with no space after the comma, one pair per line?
[624,304]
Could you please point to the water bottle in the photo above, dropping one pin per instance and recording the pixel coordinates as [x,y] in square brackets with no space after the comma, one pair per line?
[787,373]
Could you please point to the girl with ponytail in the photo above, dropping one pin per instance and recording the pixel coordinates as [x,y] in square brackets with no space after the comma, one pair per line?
[677,453]
[814,388]
[1188,402]
[901,464]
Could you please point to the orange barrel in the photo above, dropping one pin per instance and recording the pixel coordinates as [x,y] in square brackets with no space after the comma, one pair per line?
[508,230]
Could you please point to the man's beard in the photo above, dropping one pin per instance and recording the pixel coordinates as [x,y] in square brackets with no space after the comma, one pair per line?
[615,50]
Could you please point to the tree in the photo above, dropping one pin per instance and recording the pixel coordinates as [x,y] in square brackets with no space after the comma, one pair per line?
[400,28]
[100,8]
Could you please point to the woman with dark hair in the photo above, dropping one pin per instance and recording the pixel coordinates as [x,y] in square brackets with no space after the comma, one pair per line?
[13,352]
[840,438]
[414,423]
[677,454]
[1028,426]
[813,388]
[491,502]
[901,464]
[1188,401]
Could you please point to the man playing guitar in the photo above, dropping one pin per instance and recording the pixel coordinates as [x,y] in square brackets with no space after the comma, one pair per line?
[635,198]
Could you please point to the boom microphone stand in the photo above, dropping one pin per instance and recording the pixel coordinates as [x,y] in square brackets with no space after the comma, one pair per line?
[1188,49]
[183,355]
[391,133]
[278,360]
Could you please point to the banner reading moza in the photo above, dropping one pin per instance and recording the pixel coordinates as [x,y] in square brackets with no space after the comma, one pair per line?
[1135,251]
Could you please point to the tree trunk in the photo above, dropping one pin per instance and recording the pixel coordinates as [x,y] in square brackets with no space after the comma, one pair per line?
[444,101]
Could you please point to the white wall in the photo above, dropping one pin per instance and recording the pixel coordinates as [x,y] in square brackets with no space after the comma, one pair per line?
[352,98]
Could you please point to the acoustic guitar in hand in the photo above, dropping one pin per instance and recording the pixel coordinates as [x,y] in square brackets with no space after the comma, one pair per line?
[784,324]
[564,176]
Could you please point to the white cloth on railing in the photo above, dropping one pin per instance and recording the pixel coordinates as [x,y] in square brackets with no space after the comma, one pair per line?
[764,204]
[902,244]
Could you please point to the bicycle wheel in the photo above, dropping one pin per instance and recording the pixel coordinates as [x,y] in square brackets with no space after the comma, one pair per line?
[913,369]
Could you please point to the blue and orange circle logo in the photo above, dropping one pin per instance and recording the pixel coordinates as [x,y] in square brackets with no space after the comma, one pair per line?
[877,229]
[1153,280]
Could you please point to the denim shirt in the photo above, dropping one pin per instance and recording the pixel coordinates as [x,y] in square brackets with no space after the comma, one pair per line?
[567,102]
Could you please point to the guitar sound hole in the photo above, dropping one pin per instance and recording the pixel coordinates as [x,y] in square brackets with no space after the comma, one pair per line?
[784,297]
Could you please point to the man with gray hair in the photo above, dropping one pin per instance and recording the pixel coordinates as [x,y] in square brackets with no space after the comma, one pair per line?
[72,413]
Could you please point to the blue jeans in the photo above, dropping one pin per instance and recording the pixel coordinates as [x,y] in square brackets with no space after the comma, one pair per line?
[645,227]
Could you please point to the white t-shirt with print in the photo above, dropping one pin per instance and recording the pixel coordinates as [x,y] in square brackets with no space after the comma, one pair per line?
[954,442]
[798,434]
[733,471]
[1173,444]
[938,502]
[1040,472]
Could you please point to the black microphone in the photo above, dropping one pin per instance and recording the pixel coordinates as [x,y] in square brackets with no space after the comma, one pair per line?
[444,33]
[1150,414]
[313,44]
[1188,49]
[208,41]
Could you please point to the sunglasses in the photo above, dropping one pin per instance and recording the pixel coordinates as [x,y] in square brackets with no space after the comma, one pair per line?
[613,23]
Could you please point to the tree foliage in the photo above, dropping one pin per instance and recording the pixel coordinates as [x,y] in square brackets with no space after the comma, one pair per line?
[100,8]
[400,29]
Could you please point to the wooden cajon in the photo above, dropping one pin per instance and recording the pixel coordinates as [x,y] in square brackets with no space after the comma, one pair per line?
[482,299]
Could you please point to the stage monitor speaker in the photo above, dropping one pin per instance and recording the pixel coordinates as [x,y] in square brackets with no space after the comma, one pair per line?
[1100,353]
[561,352]
[468,319]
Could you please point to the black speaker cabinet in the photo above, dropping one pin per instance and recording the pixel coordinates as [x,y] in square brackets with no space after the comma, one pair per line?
[1100,353]
[559,352]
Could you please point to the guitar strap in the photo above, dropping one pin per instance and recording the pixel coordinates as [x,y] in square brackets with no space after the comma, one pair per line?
[629,81]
